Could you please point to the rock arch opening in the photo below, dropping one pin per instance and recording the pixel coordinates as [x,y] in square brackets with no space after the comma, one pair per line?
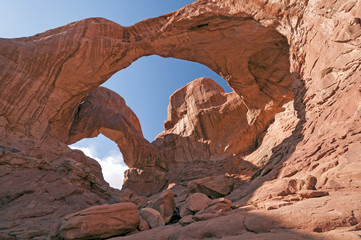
[107,154]
[50,80]
[147,84]
[141,85]
[253,59]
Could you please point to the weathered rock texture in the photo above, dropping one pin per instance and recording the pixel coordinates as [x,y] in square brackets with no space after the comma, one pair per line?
[165,205]
[270,53]
[146,181]
[152,217]
[91,50]
[99,222]
[104,111]
[283,223]
[213,187]
[36,191]
[198,133]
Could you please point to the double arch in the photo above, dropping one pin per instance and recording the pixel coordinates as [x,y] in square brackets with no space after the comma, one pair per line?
[80,56]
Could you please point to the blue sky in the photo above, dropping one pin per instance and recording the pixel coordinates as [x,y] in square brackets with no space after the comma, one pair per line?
[145,85]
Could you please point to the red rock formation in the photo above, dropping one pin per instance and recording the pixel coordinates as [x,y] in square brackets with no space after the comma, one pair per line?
[91,50]
[145,182]
[38,190]
[165,205]
[99,222]
[104,111]
[325,71]
[216,207]
[152,217]
[268,51]
[213,187]
[196,201]
[198,128]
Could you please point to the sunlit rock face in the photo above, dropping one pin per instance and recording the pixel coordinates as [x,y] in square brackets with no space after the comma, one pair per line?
[54,71]
[280,152]
[205,125]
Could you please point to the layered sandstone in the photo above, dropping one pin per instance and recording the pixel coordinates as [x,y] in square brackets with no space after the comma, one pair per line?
[104,111]
[99,222]
[294,116]
[76,58]
[37,190]
[198,133]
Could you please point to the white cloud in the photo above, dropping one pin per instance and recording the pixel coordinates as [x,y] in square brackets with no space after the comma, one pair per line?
[89,151]
[113,171]
[113,166]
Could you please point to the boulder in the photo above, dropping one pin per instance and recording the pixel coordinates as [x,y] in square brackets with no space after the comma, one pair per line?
[179,192]
[152,217]
[215,208]
[257,223]
[183,210]
[145,182]
[197,201]
[143,225]
[127,195]
[186,220]
[213,187]
[165,204]
[98,222]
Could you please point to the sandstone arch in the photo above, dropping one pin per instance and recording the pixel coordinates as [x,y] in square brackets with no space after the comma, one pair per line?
[104,111]
[44,78]
[75,59]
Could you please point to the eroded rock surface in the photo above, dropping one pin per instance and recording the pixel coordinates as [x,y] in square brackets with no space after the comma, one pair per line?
[274,54]
[196,201]
[104,111]
[37,191]
[152,217]
[165,204]
[213,187]
[84,54]
[204,126]
[99,222]
[145,182]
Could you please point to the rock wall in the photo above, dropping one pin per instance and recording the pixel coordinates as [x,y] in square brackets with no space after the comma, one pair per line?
[37,190]
[205,127]
[274,54]
[325,72]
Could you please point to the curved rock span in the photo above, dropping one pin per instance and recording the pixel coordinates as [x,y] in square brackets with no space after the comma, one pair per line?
[73,60]
[104,111]
[282,147]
